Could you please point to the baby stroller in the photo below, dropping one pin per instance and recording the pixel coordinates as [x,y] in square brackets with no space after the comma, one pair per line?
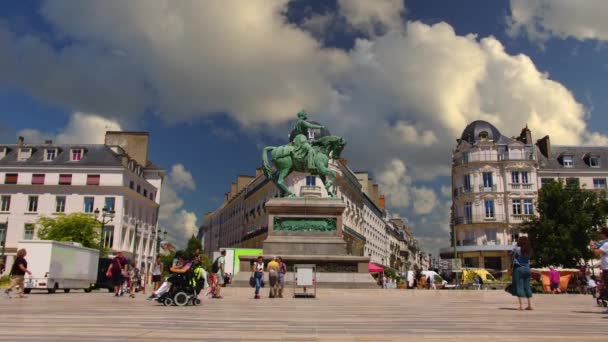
[185,288]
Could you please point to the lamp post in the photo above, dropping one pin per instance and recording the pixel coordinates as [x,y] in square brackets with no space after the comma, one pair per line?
[158,240]
[105,213]
[135,243]
[4,231]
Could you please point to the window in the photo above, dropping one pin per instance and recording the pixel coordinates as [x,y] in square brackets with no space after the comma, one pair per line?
[524,177]
[76,155]
[38,178]
[108,236]
[594,161]
[65,179]
[468,212]
[131,185]
[528,207]
[138,188]
[311,180]
[110,203]
[599,183]
[516,207]
[489,206]
[32,204]
[465,157]
[467,183]
[28,232]
[515,177]
[93,179]
[483,135]
[24,154]
[145,193]
[10,178]
[572,182]
[545,181]
[488,181]
[89,202]
[50,154]
[5,203]
[491,234]
[568,161]
[60,204]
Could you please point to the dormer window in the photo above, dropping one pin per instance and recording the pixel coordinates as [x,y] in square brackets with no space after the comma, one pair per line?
[568,161]
[24,153]
[76,154]
[594,161]
[50,154]
[483,135]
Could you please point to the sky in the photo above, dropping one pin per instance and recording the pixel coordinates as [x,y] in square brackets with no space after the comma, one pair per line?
[214,82]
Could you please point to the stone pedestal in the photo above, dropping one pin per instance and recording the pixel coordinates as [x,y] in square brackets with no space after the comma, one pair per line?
[308,230]
[305,226]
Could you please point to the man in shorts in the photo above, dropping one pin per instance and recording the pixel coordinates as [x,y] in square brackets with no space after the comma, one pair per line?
[217,271]
[600,249]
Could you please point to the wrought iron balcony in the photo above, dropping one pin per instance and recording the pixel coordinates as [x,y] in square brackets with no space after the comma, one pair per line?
[479,219]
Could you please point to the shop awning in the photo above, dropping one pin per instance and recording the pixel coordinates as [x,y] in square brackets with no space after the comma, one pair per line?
[374,268]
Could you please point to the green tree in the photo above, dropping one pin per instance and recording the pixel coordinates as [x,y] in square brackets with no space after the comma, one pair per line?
[568,220]
[76,227]
[193,245]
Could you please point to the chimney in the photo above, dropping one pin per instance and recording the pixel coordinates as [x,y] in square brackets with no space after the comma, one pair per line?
[381,202]
[20,141]
[135,144]
[544,145]
[48,142]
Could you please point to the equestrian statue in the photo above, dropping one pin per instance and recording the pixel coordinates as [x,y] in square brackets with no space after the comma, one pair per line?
[304,154]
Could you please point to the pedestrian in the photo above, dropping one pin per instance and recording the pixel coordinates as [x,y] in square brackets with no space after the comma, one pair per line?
[282,272]
[601,249]
[432,285]
[18,272]
[135,279]
[384,279]
[157,272]
[554,280]
[182,266]
[520,283]
[258,275]
[117,271]
[273,277]
[217,271]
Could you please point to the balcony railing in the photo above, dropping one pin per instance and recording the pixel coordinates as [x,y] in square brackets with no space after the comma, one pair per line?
[521,217]
[479,219]
[493,158]
[521,186]
[492,188]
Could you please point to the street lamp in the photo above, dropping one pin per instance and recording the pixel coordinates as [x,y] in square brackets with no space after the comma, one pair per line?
[105,213]
[3,231]
[158,240]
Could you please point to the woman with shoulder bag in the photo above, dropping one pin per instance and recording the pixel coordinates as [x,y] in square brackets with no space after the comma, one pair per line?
[520,283]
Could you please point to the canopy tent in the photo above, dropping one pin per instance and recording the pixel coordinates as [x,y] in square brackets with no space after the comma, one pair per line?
[374,268]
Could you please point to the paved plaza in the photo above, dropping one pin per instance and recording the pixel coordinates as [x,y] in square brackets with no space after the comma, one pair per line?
[336,315]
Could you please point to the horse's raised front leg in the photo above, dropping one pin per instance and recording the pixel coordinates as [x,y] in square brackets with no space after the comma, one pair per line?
[324,174]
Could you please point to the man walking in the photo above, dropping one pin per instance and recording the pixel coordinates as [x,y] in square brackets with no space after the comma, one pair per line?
[217,271]
[18,272]
[282,272]
[273,275]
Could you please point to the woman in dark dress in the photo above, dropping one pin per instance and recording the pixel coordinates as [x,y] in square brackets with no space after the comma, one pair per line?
[520,283]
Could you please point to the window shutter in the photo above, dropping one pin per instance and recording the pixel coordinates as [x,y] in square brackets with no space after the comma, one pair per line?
[93,179]
[10,178]
[38,179]
[65,179]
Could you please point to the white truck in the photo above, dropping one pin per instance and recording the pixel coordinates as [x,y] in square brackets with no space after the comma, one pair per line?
[59,266]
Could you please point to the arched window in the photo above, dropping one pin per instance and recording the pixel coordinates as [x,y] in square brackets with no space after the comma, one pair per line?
[483,135]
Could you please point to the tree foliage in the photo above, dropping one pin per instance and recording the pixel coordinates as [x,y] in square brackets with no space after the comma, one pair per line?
[568,220]
[76,227]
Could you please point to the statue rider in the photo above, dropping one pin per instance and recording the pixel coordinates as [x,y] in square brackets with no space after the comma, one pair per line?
[303,147]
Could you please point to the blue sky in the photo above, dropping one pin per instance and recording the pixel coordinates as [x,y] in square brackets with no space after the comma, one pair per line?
[212,83]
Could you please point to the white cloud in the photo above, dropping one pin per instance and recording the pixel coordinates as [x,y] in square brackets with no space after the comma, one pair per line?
[82,128]
[543,19]
[410,135]
[425,200]
[367,15]
[179,222]
[181,178]
[446,191]
[395,184]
